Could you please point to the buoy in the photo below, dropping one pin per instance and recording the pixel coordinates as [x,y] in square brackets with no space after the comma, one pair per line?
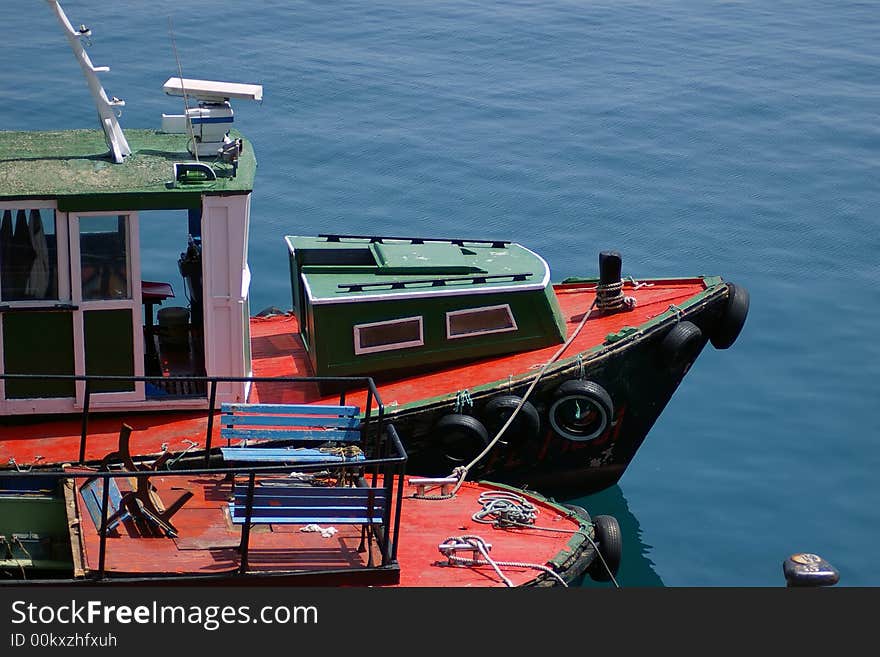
[681,345]
[805,569]
[610,545]
[732,319]
[460,437]
[581,410]
[525,426]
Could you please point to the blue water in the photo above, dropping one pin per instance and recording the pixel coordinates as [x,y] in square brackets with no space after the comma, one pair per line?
[736,138]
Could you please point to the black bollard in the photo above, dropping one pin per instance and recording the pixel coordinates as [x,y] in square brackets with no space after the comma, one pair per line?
[609,267]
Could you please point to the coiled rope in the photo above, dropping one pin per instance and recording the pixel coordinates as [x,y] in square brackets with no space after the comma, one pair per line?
[478,544]
[610,297]
[504,508]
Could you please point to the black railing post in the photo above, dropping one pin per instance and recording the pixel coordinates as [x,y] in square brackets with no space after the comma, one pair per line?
[367,425]
[246,528]
[211,401]
[102,551]
[401,471]
[85,424]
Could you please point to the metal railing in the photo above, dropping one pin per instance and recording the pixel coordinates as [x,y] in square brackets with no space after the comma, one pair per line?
[347,385]
[389,464]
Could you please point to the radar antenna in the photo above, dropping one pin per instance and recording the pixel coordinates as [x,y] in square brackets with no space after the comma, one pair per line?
[107,107]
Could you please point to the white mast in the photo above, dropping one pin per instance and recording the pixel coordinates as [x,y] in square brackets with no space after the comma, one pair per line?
[106,106]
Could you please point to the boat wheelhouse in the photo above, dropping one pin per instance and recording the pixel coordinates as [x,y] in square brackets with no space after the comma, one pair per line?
[377,304]
[73,300]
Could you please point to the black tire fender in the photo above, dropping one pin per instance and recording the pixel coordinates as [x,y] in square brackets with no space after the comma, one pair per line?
[580,411]
[732,319]
[610,544]
[682,344]
[460,437]
[582,514]
[525,426]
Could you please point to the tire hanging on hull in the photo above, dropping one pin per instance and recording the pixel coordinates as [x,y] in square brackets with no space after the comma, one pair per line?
[681,345]
[524,428]
[460,437]
[610,544]
[581,410]
[733,319]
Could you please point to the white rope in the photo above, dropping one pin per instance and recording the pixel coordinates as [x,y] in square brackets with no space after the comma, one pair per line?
[504,508]
[461,472]
[480,545]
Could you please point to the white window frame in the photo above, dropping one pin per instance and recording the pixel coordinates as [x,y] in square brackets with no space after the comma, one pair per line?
[454,313]
[358,350]
[133,302]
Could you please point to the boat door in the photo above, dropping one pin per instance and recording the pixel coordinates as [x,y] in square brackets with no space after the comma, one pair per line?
[106,292]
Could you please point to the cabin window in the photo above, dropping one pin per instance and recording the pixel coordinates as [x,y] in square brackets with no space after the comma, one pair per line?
[385,336]
[479,321]
[104,257]
[28,255]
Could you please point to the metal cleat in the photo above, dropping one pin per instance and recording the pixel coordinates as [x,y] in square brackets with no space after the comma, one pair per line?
[422,484]
[450,547]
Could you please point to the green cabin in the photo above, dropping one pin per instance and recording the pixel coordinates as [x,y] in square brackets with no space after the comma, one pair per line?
[375,304]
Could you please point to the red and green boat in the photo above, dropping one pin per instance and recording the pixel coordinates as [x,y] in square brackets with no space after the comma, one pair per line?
[356,523]
[482,361]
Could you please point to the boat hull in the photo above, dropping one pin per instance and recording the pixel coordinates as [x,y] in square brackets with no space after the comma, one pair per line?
[636,367]
[638,374]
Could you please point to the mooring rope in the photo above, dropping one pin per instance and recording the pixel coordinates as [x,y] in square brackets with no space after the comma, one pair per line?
[478,544]
[461,472]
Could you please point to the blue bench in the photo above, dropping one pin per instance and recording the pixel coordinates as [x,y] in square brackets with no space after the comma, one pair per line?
[306,505]
[311,505]
[273,423]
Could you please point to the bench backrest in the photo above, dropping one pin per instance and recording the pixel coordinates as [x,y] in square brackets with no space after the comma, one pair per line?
[304,505]
[92,494]
[312,422]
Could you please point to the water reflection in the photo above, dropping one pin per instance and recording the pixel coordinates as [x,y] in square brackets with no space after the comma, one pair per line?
[636,568]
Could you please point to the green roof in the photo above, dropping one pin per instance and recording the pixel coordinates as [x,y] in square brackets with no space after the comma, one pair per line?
[358,269]
[73,167]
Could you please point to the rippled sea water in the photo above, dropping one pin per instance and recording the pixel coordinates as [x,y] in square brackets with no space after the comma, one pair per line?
[736,138]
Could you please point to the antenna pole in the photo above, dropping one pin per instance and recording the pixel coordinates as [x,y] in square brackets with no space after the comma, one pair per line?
[192,137]
[113,134]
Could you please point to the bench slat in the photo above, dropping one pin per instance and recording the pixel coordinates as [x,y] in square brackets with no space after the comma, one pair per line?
[311,521]
[305,491]
[293,409]
[309,500]
[291,434]
[276,455]
[284,421]
[306,505]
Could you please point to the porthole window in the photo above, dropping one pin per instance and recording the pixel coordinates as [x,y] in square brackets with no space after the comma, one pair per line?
[386,336]
[479,321]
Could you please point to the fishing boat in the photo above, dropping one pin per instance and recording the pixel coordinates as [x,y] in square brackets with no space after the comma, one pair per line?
[322,522]
[486,365]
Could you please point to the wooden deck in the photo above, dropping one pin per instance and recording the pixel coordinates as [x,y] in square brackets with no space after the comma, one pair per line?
[208,542]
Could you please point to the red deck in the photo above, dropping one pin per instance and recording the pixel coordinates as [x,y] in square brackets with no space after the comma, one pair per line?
[277,351]
[208,541]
